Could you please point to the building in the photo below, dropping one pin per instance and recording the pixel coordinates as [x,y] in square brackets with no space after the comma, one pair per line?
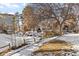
[6,22]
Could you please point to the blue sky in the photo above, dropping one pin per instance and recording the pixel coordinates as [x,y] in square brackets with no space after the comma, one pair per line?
[12,8]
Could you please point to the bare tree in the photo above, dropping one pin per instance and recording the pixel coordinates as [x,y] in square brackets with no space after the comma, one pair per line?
[59,11]
[30,19]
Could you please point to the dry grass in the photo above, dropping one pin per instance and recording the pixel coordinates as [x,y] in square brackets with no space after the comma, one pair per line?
[55,45]
[47,34]
[4,52]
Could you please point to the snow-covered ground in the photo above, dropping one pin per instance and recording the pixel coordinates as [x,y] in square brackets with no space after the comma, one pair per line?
[73,38]
[27,50]
[5,40]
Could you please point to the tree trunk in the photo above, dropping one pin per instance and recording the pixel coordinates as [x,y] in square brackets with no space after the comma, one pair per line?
[60,29]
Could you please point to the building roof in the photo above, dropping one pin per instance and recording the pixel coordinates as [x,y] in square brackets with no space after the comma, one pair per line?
[5,14]
[6,18]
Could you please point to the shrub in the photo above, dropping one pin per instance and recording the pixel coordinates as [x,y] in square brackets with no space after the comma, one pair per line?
[48,34]
[5,31]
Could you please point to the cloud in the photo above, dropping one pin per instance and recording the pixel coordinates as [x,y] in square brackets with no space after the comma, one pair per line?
[2,12]
[10,5]
[11,13]
[7,13]
[1,6]
[24,4]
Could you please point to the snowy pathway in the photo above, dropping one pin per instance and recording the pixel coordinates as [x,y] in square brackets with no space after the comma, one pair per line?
[27,50]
